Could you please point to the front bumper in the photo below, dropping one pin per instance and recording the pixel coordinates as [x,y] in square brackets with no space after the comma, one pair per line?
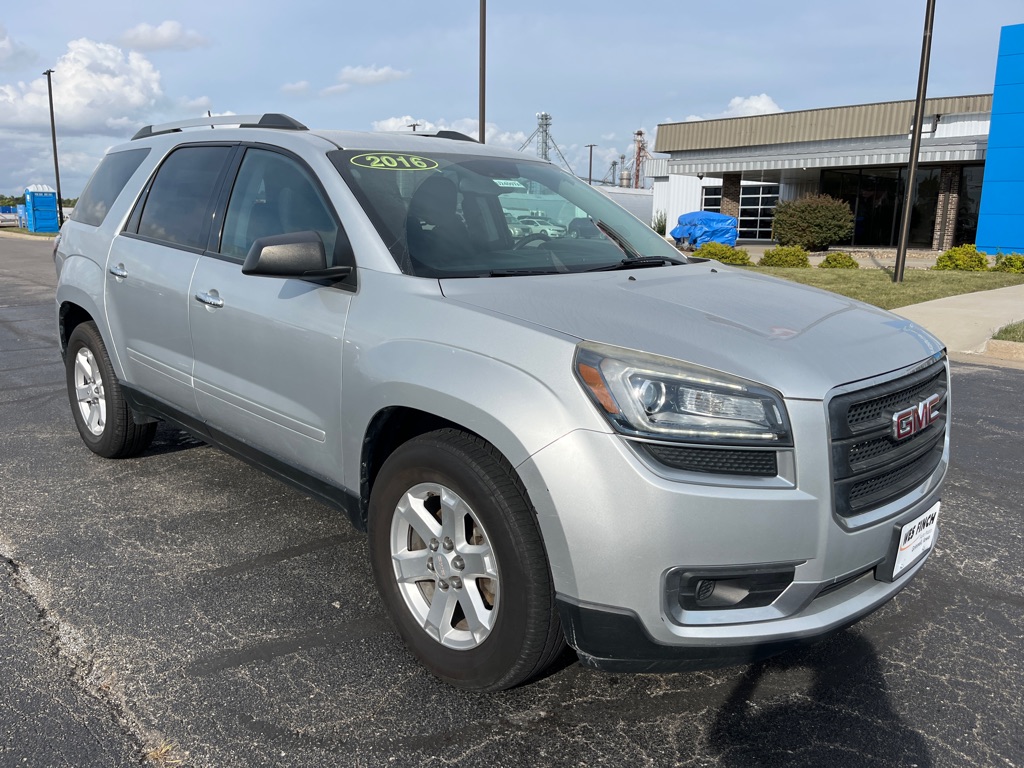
[618,526]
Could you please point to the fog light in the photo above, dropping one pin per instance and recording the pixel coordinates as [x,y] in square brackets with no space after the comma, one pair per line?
[721,589]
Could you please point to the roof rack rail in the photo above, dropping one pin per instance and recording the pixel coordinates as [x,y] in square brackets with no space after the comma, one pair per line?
[268,120]
[444,134]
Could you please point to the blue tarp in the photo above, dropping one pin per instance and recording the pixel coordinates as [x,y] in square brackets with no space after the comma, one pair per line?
[702,227]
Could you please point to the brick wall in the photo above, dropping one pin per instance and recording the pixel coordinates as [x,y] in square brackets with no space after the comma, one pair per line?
[731,194]
[946,208]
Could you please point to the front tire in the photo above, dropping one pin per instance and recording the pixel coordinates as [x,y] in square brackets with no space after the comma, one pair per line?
[101,413]
[459,560]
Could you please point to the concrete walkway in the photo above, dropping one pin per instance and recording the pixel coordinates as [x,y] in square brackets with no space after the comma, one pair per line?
[965,323]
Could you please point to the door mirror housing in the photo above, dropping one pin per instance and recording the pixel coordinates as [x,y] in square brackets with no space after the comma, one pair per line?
[295,254]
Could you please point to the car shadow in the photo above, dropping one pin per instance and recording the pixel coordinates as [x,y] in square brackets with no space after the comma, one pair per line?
[169,440]
[823,706]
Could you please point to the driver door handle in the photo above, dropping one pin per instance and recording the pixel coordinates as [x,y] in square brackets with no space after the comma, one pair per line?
[118,271]
[210,299]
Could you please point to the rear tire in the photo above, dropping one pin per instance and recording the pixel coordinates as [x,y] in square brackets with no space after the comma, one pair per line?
[459,560]
[100,411]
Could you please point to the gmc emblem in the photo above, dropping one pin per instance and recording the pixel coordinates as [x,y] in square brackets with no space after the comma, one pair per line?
[912,420]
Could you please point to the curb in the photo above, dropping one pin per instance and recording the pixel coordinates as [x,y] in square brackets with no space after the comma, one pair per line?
[1004,350]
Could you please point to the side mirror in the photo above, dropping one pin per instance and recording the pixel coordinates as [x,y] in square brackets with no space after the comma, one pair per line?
[295,254]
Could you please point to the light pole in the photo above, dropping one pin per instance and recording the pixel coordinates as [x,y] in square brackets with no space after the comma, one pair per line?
[53,135]
[590,173]
[915,144]
[483,65]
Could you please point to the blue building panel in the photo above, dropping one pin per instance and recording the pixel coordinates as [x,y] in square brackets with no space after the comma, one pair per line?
[1007,132]
[1010,70]
[1001,218]
[1004,164]
[1004,198]
[1007,99]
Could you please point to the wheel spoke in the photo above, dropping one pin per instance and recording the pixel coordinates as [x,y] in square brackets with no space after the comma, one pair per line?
[452,513]
[84,363]
[479,618]
[414,513]
[95,421]
[83,392]
[411,566]
[479,564]
[439,618]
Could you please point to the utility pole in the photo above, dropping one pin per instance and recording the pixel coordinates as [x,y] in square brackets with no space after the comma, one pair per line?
[414,126]
[483,67]
[915,144]
[53,135]
[590,172]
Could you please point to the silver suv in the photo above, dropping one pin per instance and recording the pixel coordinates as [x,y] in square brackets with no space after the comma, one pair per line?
[663,461]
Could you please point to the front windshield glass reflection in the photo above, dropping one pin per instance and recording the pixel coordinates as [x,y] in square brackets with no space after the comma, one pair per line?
[459,215]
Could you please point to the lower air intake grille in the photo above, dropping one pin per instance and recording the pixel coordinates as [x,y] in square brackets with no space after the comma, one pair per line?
[717,460]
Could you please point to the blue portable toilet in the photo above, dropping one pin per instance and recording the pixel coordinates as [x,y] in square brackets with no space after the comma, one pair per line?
[41,208]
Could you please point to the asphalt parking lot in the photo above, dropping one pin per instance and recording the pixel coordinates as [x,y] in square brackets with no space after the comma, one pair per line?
[184,600]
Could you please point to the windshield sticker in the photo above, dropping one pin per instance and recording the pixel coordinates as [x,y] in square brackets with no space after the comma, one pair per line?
[510,183]
[389,161]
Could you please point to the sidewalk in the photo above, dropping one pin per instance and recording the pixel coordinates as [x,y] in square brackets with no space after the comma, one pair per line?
[965,323]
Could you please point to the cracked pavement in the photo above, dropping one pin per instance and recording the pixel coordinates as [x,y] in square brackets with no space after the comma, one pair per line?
[184,598]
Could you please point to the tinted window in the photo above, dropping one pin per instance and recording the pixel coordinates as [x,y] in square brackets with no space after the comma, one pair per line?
[179,200]
[274,195]
[106,184]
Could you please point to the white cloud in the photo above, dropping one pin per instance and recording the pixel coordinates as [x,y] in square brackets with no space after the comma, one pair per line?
[372,75]
[97,88]
[167,36]
[493,134]
[200,104]
[14,55]
[743,106]
[334,89]
[300,87]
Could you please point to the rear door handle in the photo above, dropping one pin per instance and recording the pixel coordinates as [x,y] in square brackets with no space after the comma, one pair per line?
[118,271]
[210,299]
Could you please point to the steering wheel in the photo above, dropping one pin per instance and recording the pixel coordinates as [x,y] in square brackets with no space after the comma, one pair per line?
[529,239]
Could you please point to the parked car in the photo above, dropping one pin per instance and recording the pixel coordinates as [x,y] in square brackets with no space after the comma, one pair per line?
[666,462]
[541,226]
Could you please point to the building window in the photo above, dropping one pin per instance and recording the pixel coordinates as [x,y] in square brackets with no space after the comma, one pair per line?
[968,204]
[712,199]
[757,206]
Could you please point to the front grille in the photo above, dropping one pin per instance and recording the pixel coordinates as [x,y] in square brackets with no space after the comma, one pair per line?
[722,461]
[870,467]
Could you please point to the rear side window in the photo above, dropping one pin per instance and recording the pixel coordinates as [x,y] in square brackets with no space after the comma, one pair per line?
[179,199]
[106,184]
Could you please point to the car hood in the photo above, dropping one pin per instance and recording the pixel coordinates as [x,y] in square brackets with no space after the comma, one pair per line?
[799,340]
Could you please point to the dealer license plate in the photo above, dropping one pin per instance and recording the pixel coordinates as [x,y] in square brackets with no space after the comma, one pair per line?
[916,538]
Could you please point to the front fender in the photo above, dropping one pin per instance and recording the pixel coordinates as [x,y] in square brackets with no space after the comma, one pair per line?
[510,407]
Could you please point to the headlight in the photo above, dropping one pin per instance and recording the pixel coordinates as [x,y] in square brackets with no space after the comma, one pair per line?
[652,396]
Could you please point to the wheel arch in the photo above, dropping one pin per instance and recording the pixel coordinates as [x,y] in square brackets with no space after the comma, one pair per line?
[390,428]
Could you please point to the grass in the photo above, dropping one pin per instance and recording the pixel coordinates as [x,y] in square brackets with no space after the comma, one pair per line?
[1014,332]
[875,286]
[23,231]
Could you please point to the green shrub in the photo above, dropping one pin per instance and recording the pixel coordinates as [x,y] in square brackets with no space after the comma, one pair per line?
[1009,262]
[659,223]
[725,254]
[965,258]
[785,256]
[839,260]
[814,222]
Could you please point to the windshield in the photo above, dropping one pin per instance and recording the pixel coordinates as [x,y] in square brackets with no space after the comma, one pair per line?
[460,215]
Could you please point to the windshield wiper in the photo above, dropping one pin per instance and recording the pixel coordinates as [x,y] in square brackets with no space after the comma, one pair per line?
[518,272]
[633,257]
[634,263]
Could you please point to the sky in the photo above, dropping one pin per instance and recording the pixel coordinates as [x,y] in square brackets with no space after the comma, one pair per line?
[602,69]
